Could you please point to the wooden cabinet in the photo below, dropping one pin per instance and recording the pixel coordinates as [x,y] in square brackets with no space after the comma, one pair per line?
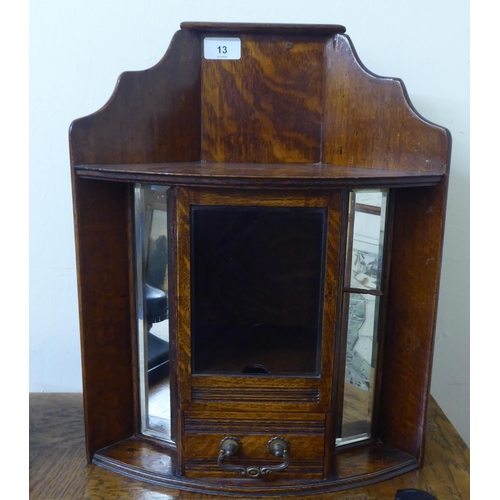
[295,203]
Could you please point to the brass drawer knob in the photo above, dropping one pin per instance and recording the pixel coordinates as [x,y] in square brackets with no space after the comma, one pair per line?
[277,446]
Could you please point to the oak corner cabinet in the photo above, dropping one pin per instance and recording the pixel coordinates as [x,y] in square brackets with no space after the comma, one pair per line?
[259,224]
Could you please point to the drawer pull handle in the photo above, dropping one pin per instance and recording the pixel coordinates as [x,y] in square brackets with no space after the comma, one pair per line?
[277,446]
[230,446]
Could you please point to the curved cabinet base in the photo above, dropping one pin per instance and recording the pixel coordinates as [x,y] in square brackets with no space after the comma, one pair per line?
[352,468]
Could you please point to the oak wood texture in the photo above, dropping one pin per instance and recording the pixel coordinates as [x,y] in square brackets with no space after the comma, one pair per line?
[59,470]
[276,76]
[256,175]
[342,114]
[103,226]
[298,121]
[306,434]
[152,116]
[370,121]
[412,306]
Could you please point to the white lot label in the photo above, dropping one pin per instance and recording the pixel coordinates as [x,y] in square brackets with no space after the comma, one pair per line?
[222,48]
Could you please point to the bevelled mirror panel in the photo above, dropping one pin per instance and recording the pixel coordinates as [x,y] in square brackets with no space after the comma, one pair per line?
[151,238]
[364,278]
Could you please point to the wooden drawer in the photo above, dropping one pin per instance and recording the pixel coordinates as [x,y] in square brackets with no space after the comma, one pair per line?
[205,431]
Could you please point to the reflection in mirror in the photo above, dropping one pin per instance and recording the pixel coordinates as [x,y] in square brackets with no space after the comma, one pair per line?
[360,367]
[366,232]
[152,307]
[367,221]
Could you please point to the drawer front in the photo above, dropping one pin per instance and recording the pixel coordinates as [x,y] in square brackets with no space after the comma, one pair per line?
[255,435]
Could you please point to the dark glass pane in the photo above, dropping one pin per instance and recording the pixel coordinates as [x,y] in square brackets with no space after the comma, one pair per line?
[257,278]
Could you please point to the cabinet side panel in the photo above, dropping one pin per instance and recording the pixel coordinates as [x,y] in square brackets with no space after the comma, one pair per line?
[152,116]
[267,106]
[104,280]
[412,309]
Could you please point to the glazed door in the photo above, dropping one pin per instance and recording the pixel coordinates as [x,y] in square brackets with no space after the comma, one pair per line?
[257,279]
[255,324]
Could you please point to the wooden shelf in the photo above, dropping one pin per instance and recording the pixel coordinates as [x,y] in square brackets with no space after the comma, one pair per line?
[126,458]
[258,175]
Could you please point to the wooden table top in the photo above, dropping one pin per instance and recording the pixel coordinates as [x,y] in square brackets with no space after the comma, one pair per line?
[59,471]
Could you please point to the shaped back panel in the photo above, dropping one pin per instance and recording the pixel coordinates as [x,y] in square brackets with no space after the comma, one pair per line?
[370,122]
[267,106]
[152,116]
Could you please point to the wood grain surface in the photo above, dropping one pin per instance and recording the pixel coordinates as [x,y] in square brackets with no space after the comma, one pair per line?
[370,121]
[59,470]
[412,306]
[252,97]
[103,227]
[256,175]
[152,116]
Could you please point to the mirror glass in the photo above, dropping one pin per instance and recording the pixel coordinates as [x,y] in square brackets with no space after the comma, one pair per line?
[257,289]
[360,366]
[366,239]
[362,294]
[151,237]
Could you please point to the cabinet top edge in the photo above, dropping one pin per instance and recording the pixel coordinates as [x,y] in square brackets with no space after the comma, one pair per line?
[272,28]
